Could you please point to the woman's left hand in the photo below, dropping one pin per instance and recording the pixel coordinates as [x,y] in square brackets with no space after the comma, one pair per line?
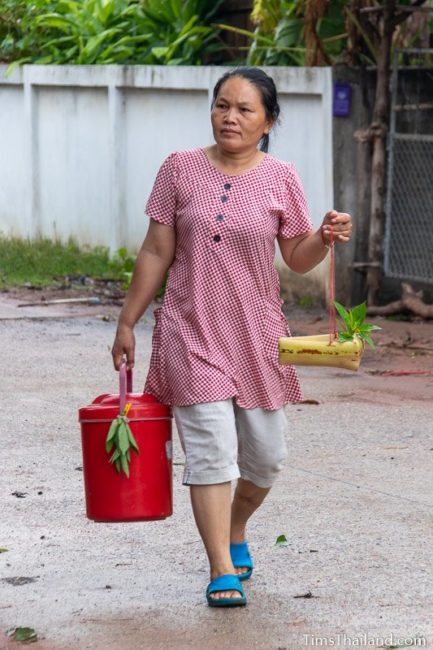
[341,225]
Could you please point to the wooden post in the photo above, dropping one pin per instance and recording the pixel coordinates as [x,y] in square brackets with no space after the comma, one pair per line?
[379,129]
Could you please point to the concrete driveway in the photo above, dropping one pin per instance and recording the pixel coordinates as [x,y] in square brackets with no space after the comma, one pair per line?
[355,502]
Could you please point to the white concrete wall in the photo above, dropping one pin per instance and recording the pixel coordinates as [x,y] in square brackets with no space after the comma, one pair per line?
[80,145]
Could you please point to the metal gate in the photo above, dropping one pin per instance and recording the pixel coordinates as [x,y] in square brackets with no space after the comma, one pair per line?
[408,248]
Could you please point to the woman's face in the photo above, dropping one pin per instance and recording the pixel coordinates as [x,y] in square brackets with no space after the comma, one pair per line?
[238,116]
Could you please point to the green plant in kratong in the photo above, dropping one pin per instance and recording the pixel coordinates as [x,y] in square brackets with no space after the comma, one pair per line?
[120,437]
[353,323]
[107,32]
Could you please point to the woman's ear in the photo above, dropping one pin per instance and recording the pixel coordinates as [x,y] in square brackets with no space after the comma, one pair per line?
[268,128]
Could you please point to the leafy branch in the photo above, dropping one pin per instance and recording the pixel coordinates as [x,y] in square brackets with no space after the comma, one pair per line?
[91,32]
[120,437]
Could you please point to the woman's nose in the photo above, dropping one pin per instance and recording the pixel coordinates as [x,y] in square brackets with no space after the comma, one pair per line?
[230,116]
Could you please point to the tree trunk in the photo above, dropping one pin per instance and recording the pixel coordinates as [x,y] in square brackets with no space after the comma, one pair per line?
[379,130]
[410,301]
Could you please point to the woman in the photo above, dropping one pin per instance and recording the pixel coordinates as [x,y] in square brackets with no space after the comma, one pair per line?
[215,214]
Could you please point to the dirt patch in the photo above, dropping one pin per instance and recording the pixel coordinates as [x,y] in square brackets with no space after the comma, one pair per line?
[107,291]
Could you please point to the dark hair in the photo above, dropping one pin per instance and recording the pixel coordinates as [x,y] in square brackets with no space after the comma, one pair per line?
[268,92]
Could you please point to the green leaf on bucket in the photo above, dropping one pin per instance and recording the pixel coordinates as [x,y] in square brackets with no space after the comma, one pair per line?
[281,540]
[123,443]
[113,430]
[120,437]
[115,456]
[4,550]
[124,464]
[132,440]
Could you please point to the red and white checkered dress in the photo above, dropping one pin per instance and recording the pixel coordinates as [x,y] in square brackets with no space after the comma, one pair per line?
[216,333]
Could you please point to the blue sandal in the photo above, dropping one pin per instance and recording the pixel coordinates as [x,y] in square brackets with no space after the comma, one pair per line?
[227,582]
[241,558]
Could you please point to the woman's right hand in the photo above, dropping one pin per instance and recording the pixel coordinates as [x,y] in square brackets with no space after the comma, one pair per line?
[124,346]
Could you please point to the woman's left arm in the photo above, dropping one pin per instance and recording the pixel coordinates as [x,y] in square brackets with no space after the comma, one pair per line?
[303,253]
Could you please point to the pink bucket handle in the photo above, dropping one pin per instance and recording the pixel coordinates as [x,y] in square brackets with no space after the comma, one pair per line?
[125,385]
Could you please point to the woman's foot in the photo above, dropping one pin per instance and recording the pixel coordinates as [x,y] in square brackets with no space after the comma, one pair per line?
[239,570]
[224,594]
[225,591]
[241,558]
[247,498]
[240,539]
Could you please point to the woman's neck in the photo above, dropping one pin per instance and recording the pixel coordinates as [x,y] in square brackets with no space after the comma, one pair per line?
[234,162]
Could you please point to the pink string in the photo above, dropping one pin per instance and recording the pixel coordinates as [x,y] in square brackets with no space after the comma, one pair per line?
[331,289]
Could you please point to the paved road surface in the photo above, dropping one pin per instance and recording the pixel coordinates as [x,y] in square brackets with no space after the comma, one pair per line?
[355,502]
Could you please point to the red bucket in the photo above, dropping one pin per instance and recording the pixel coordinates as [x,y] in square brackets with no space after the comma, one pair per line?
[148,493]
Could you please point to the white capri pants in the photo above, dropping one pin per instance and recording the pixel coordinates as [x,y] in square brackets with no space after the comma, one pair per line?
[223,442]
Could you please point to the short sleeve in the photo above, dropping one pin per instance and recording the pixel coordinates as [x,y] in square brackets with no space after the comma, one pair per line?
[161,205]
[295,217]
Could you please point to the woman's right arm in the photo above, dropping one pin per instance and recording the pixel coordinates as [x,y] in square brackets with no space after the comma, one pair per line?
[153,261]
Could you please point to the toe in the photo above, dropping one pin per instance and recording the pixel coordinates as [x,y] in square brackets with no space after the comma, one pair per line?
[226,594]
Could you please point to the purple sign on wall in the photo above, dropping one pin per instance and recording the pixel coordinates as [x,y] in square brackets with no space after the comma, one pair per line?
[341,101]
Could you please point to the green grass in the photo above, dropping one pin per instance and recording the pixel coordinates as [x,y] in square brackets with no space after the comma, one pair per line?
[306,302]
[44,262]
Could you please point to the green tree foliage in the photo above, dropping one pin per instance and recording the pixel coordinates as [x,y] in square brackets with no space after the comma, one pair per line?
[288,31]
[172,32]
[323,32]
[302,36]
